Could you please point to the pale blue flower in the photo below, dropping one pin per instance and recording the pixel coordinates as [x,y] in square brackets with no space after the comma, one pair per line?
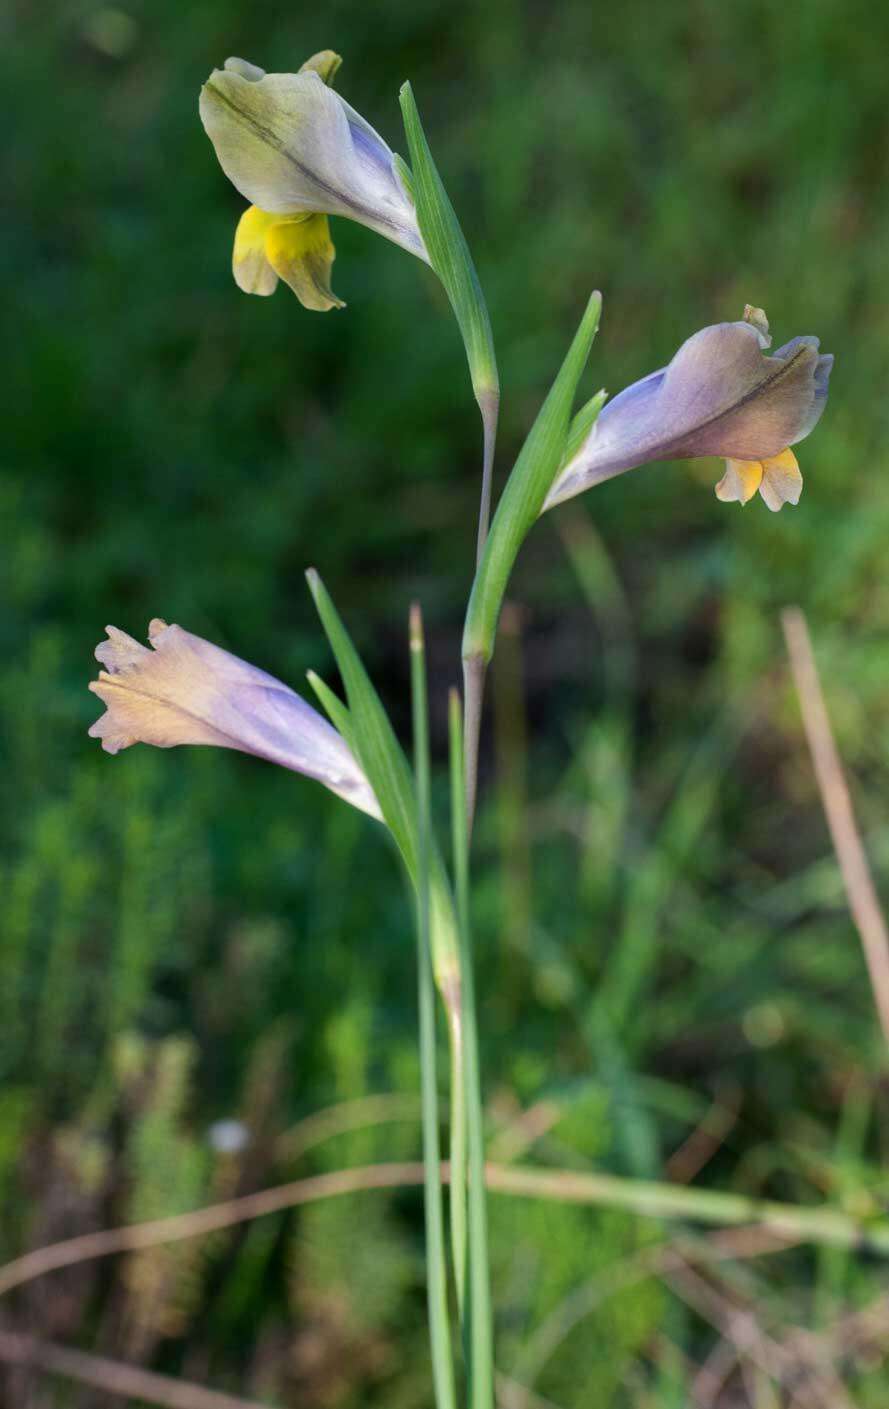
[299,153]
[720,395]
[183,690]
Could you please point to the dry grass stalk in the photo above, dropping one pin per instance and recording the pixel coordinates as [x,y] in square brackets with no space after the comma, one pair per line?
[861,893]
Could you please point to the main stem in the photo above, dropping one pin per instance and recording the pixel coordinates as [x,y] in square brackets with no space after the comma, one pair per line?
[457,1200]
[474,670]
[478,1337]
[436,1267]
[489,405]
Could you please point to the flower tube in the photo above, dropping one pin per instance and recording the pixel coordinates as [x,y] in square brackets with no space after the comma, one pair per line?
[299,153]
[720,395]
[183,690]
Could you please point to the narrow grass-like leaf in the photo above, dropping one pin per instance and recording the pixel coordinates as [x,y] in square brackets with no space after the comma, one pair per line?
[519,507]
[457,1151]
[581,425]
[452,262]
[449,253]
[436,1265]
[407,176]
[629,971]
[526,489]
[372,739]
[479,1336]
[333,707]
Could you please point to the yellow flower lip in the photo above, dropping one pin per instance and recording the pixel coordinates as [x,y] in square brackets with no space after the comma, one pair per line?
[778,479]
[295,248]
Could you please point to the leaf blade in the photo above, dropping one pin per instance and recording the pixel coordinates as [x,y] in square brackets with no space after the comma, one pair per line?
[449,254]
[525,492]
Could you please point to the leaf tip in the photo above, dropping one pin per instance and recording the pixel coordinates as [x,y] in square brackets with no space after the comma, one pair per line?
[416,627]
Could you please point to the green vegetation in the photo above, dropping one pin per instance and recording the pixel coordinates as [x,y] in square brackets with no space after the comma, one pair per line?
[659,922]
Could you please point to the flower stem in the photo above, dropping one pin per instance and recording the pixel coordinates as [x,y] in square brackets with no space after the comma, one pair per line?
[479,1331]
[436,1268]
[457,1201]
[489,405]
[474,668]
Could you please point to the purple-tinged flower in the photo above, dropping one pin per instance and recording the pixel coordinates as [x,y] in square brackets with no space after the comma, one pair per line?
[183,690]
[720,395]
[299,153]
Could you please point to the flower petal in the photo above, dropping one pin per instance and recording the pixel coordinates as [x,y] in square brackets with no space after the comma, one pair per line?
[821,384]
[326,64]
[252,72]
[782,482]
[250,263]
[300,252]
[120,652]
[291,145]
[725,398]
[187,691]
[740,482]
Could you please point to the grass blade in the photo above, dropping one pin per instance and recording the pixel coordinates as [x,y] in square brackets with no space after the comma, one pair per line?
[452,262]
[373,740]
[436,1267]
[479,1335]
[519,507]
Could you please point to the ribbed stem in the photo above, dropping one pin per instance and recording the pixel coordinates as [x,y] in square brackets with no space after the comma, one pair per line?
[436,1267]
[489,405]
[457,1201]
[479,1337]
[474,668]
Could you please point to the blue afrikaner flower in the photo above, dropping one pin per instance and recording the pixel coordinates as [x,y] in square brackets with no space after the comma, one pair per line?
[299,153]
[182,690]
[720,395]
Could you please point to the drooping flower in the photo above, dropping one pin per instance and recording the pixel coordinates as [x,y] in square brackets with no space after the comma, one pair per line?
[299,153]
[182,690]
[720,395]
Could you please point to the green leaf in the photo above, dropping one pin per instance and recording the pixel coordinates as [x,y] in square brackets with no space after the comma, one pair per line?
[525,492]
[333,707]
[436,1258]
[372,738]
[406,175]
[450,257]
[581,426]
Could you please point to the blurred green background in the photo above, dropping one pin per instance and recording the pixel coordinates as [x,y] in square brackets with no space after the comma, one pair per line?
[195,937]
